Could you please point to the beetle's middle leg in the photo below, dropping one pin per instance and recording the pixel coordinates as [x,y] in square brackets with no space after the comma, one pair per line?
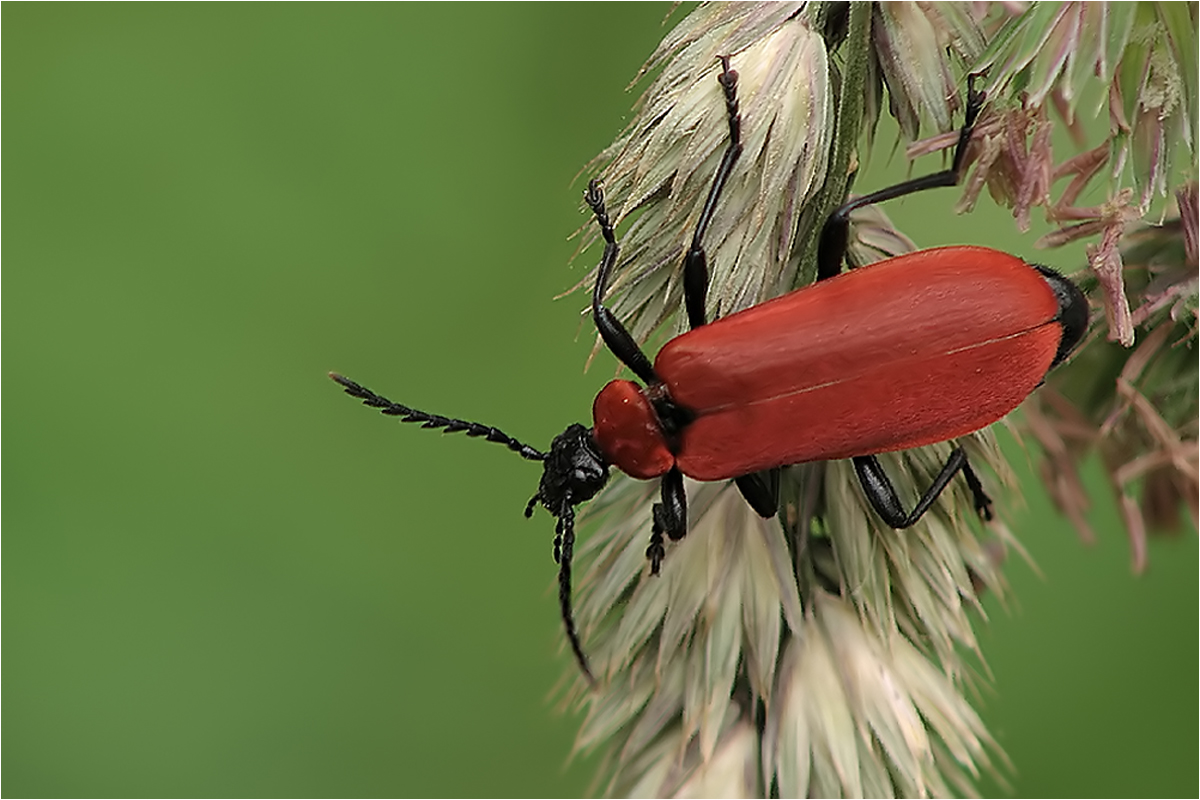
[695,263]
[761,489]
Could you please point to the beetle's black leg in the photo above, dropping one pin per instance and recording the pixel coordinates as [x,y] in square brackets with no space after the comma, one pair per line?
[761,490]
[564,550]
[611,330]
[882,494]
[670,517]
[831,251]
[695,263]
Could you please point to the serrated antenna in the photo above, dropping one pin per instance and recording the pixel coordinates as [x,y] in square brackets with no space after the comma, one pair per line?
[406,414]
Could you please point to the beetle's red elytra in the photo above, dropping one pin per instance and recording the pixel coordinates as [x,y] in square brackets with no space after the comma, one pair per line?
[906,352]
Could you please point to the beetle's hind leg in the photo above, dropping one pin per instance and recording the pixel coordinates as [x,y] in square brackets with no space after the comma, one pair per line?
[831,251]
[886,502]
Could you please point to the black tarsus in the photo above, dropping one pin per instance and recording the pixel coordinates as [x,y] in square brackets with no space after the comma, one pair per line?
[983,503]
[406,414]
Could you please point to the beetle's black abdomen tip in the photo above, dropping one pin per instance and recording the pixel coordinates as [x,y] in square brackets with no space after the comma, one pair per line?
[1072,311]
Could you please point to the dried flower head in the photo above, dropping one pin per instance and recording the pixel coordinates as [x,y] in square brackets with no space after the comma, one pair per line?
[820,652]
[1143,424]
[1138,63]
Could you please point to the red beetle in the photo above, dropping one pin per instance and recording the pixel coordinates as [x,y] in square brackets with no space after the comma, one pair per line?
[909,351]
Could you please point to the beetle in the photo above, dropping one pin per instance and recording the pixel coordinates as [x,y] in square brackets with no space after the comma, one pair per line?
[912,350]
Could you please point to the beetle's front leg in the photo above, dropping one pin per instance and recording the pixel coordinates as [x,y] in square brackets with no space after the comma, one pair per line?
[614,334]
[670,517]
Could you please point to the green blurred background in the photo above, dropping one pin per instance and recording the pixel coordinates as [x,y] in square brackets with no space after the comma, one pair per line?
[221,576]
